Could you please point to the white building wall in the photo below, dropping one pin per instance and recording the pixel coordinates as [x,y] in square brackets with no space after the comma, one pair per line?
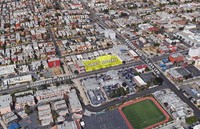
[194,51]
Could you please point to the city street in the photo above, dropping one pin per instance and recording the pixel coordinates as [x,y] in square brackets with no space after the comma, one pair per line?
[144,60]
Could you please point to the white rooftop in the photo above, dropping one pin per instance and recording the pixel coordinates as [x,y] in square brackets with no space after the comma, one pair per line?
[74,101]
[5,101]
[67,125]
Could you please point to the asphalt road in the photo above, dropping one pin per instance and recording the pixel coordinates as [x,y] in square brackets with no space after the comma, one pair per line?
[167,84]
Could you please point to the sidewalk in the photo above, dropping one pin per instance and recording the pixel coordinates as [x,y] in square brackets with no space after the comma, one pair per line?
[3,124]
[81,90]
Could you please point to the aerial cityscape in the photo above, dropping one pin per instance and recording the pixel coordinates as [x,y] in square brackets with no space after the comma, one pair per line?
[100,64]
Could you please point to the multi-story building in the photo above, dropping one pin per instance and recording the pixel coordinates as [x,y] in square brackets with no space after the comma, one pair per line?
[54,62]
[16,80]
[174,75]
[51,93]
[5,102]
[44,114]
[9,116]
[176,58]
[7,70]
[21,102]
[75,105]
[194,51]
[60,107]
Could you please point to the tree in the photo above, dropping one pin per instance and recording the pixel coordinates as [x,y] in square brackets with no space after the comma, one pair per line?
[124,84]
[156,44]
[35,57]
[41,75]
[147,69]
[57,14]
[7,25]
[28,109]
[127,90]
[193,62]
[148,84]
[57,83]
[106,11]
[158,81]
[76,72]
[118,92]
[54,114]
[181,28]
[69,81]
[34,79]
[123,62]
[121,91]
[41,67]
[191,120]
[123,14]
[173,43]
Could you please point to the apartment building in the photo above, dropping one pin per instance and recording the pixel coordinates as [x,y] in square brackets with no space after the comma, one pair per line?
[21,102]
[51,93]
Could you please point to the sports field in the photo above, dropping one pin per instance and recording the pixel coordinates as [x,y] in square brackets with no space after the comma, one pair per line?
[143,114]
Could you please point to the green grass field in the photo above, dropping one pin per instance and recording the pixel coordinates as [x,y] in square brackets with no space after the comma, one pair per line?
[143,114]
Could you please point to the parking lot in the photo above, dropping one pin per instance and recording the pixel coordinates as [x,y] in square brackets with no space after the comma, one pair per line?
[109,120]
[30,122]
[193,70]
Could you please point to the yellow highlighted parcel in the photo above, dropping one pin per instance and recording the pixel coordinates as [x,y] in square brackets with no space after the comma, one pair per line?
[102,62]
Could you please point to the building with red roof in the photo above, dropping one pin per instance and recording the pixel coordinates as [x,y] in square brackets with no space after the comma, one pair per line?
[176,58]
[54,62]
[140,68]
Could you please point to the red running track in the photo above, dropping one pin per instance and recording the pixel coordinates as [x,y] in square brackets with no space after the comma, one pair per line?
[139,100]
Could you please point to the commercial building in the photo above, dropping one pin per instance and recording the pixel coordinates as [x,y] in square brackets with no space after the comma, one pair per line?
[5,103]
[133,54]
[194,52]
[176,58]
[7,70]
[173,104]
[138,80]
[184,72]
[54,62]
[174,75]
[189,37]
[140,68]
[17,80]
